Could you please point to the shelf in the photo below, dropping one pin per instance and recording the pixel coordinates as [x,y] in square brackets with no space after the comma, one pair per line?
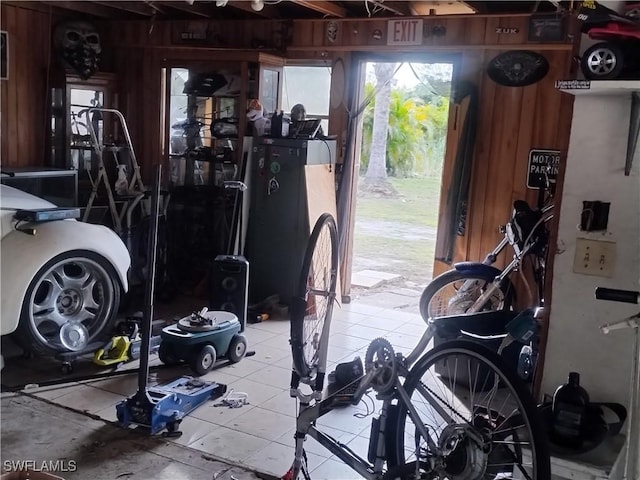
[602,87]
[613,88]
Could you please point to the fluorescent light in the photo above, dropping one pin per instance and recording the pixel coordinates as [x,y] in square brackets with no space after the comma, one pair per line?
[257,5]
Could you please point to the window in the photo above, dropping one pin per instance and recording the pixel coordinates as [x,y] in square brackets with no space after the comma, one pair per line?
[309,86]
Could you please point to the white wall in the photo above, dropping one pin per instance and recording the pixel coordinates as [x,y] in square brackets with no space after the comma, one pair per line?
[595,171]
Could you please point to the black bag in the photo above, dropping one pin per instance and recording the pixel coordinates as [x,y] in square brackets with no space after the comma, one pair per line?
[596,428]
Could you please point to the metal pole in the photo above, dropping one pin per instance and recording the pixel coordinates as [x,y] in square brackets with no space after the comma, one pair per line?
[149,294]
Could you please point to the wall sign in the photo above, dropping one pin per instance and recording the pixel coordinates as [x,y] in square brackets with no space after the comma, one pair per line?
[539,161]
[508,30]
[405,32]
[573,84]
[546,28]
[194,32]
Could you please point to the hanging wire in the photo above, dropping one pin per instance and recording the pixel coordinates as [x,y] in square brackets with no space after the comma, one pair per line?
[368,100]
[420,81]
[366,5]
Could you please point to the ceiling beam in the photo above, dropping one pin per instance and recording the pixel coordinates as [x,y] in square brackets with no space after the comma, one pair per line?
[196,9]
[86,7]
[326,8]
[268,11]
[481,8]
[435,7]
[138,8]
[399,8]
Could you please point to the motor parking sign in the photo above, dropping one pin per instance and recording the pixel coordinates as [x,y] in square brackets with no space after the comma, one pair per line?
[541,161]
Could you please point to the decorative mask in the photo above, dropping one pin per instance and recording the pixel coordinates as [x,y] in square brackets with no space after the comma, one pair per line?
[78,42]
[332,31]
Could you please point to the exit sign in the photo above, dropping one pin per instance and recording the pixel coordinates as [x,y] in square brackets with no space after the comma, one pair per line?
[404,32]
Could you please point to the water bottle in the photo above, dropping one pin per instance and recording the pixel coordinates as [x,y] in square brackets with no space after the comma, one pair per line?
[569,412]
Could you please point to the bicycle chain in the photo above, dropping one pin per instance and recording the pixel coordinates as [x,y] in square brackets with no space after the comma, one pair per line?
[445,403]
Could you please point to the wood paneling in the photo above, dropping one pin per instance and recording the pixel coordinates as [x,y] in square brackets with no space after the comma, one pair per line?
[511,121]
[24,96]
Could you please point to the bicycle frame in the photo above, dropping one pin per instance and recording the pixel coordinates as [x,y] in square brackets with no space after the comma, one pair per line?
[631,465]
[305,422]
[514,265]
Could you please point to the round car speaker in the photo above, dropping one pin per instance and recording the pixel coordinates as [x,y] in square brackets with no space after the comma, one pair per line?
[517,68]
[74,336]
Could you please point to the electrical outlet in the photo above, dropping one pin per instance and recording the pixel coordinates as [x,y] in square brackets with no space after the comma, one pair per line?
[594,257]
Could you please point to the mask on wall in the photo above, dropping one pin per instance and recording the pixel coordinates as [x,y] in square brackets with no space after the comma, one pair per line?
[78,42]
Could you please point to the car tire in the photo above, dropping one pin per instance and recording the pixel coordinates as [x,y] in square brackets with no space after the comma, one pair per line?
[602,61]
[83,287]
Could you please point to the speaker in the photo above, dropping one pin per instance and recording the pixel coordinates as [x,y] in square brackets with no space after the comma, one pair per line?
[229,286]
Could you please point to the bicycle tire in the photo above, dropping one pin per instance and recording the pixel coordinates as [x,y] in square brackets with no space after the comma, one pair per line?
[446,283]
[513,438]
[312,306]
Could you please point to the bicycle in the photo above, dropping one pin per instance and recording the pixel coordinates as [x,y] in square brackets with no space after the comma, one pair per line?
[479,286]
[429,426]
[631,465]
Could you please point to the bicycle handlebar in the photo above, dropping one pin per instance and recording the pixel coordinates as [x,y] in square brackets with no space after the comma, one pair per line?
[615,295]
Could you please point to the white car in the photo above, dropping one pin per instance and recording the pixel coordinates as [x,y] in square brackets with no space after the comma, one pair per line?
[62,280]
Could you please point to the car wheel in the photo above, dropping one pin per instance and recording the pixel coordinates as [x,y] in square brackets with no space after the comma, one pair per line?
[602,61]
[71,302]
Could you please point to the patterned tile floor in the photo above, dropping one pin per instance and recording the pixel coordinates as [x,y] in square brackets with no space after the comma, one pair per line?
[259,435]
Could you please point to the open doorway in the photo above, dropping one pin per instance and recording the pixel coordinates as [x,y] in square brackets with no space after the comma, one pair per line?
[403,136]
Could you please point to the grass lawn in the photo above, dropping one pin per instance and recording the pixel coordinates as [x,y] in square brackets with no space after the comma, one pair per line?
[417,203]
[397,235]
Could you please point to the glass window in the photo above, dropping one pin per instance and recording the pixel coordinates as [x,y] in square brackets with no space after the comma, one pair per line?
[309,86]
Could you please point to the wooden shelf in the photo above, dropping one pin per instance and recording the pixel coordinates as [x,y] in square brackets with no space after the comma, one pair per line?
[617,88]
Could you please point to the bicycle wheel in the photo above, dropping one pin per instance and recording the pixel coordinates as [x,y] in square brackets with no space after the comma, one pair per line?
[312,306]
[481,421]
[453,292]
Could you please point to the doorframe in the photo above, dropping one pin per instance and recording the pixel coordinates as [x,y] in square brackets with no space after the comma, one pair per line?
[357,81]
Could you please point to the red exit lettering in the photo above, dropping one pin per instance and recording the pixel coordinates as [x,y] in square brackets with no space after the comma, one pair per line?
[405,32]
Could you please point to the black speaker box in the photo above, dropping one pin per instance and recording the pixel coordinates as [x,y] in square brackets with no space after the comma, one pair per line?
[229,286]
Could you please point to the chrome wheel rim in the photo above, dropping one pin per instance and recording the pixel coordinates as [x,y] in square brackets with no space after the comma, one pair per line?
[73,291]
[602,61]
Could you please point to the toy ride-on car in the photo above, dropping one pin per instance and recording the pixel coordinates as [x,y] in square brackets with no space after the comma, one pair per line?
[617,54]
[200,338]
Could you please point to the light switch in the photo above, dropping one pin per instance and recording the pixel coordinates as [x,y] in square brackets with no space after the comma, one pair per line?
[594,257]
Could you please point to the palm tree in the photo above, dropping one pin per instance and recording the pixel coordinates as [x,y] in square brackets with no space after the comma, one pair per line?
[377,168]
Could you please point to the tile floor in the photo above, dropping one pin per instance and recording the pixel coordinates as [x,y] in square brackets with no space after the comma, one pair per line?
[260,435]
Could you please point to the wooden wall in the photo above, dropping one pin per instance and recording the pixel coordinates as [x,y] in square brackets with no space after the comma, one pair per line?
[23,97]
[511,120]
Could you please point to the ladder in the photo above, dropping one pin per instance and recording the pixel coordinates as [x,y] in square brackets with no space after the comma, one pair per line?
[135,189]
